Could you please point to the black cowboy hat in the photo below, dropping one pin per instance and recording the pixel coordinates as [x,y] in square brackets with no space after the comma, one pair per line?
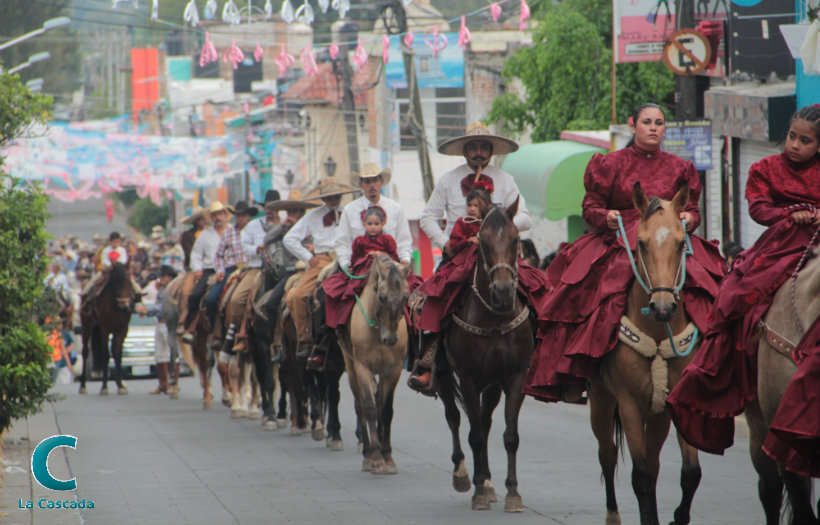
[270,196]
[242,207]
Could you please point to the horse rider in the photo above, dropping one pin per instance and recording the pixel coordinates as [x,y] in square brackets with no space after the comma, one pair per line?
[351,225]
[282,262]
[253,245]
[203,258]
[113,253]
[198,219]
[322,225]
[477,146]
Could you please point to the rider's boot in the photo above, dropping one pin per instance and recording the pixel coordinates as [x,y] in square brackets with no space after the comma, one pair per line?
[422,376]
[318,356]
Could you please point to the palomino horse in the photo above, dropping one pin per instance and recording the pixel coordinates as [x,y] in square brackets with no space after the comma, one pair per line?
[107,316]
[488,349]
[796,305]
[374,343]
[627,394]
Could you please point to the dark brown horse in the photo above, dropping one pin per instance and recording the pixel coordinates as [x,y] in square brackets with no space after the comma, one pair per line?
[488,349]
[632,381]
[106,317]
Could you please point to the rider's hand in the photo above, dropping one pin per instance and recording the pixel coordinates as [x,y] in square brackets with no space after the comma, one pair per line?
[260,249]
[448,250]
[313,262]
[690,223]
[612,219]
[473,240]
[803,217]
[198,275]
[220,276]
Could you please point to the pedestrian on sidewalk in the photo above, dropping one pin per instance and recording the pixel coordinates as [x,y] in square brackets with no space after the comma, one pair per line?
[162,351]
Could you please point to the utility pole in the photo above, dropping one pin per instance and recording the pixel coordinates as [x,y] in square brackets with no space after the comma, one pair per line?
[686,86]
[416,115]
[348,34]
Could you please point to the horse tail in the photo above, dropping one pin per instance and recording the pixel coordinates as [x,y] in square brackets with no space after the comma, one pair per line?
[99,349]
[619,434]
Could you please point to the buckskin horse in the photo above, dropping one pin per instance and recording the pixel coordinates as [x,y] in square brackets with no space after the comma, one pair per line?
[374,343]
[795,307]
[488,348]
[627,393]
[105,317]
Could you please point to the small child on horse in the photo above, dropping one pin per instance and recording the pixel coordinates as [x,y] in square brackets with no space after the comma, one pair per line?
[463,236]
[340,289]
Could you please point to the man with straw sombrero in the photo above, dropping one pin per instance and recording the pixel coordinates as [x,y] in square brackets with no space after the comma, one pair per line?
[322,225]
[198,219]
[477,146]
[282,262]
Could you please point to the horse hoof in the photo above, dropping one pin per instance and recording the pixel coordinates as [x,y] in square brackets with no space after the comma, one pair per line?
[238,413]
[104,391]
[122,391]
[490,491]
[254,414]
[296,431]
[481,502]
[281,422]
[367,465]
[612,518]
[317,434]
[513,504]
[385,469]
[226,399]
[461,478]
[174,395]
[207,405]
[270,425]
[335,445]
[83,390]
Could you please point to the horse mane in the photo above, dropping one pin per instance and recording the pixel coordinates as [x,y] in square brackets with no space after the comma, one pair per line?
[393,274]
[495,218]
[117,278]
[655,205]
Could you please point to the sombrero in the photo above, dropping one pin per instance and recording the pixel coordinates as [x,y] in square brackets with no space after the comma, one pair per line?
[196,213]
[157,232]
[329,187]
[370,170]
[293,202]
[477,131]
[218,206]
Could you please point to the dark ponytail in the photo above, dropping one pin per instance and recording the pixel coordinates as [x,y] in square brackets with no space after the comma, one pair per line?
[809,114]
[634,118]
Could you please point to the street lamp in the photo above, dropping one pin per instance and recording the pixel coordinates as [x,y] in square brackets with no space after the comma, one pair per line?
[51,23]
[33,59]
[330,166]
[289,176]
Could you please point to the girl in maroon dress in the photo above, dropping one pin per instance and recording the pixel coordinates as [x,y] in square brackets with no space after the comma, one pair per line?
[591,277]
[783,193]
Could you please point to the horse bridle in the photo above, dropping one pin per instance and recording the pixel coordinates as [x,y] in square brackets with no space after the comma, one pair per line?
[500,266]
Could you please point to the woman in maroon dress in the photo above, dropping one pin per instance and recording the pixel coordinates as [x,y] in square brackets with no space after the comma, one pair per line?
[783,193]
[591,277]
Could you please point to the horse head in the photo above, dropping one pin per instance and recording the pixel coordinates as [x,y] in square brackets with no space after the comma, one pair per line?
[118,283]
[389,280]
[498,255]
[661,249]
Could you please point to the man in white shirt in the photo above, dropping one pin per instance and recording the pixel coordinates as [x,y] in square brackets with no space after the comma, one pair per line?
[322,225]
[448,201]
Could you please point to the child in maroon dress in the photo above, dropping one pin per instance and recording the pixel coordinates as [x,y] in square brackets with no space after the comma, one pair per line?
[783,193]
[463,237]
[374,241]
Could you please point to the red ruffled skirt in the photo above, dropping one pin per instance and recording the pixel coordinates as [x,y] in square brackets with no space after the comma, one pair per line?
[722,377]
[579,322]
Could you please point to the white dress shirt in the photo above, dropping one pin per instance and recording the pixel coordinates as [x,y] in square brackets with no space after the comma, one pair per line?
[106,259]
[312,224]
[203,254]
[350,227]
[447,202]
[253,236]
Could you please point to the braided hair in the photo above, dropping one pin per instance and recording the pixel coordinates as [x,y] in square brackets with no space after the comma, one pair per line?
[810,114]
[633,119]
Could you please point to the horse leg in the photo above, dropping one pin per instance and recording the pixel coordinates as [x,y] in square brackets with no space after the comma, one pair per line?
[103,340]
[489,400]
[117,340]
[602,413]
[317,427]
[253,388]
[690,475]
[461,477]
[367,399]
[85,352]
[203,363]
[512,407]
[799,490]
[769,482]
[643,471]
[384,401]
[476,438]
[238,409]
[334,426]
[284,388]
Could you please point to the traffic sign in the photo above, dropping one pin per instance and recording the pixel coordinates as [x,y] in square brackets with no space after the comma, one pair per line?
[687,52]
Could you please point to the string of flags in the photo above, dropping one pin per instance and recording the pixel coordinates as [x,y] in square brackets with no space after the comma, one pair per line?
[305,14]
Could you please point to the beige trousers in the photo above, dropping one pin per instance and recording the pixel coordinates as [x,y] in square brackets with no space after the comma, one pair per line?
[299,296]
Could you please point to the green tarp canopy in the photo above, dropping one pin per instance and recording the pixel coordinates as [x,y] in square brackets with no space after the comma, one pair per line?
[550,175]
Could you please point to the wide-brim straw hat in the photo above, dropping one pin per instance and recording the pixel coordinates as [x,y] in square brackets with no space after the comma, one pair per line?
[477,131]
[329,187]
[218,206]
[370,170]
[293,202]
[196,213]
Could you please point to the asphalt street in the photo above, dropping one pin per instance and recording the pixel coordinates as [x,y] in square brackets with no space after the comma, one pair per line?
[148,459]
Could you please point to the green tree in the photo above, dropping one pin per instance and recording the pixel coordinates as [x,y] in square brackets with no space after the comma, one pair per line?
[566,75]
[145,215]
[24,353]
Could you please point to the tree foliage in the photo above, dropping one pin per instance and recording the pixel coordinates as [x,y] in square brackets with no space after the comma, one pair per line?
[145,215]
[566,75]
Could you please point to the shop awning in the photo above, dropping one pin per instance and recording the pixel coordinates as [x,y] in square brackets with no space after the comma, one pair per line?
[550,175]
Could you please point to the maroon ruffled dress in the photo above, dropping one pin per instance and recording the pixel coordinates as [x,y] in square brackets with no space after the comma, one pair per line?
[592,276]
[722,378]
[341,290]
[443,289]
[794,435]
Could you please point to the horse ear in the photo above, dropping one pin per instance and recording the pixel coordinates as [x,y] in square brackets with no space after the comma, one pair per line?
[513,209]
[681,198]
[405,270]
[639,198]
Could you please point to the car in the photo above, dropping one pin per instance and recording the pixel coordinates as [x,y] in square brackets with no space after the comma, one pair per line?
[138,351]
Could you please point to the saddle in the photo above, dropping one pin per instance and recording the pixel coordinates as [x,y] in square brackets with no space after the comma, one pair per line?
[414,305]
